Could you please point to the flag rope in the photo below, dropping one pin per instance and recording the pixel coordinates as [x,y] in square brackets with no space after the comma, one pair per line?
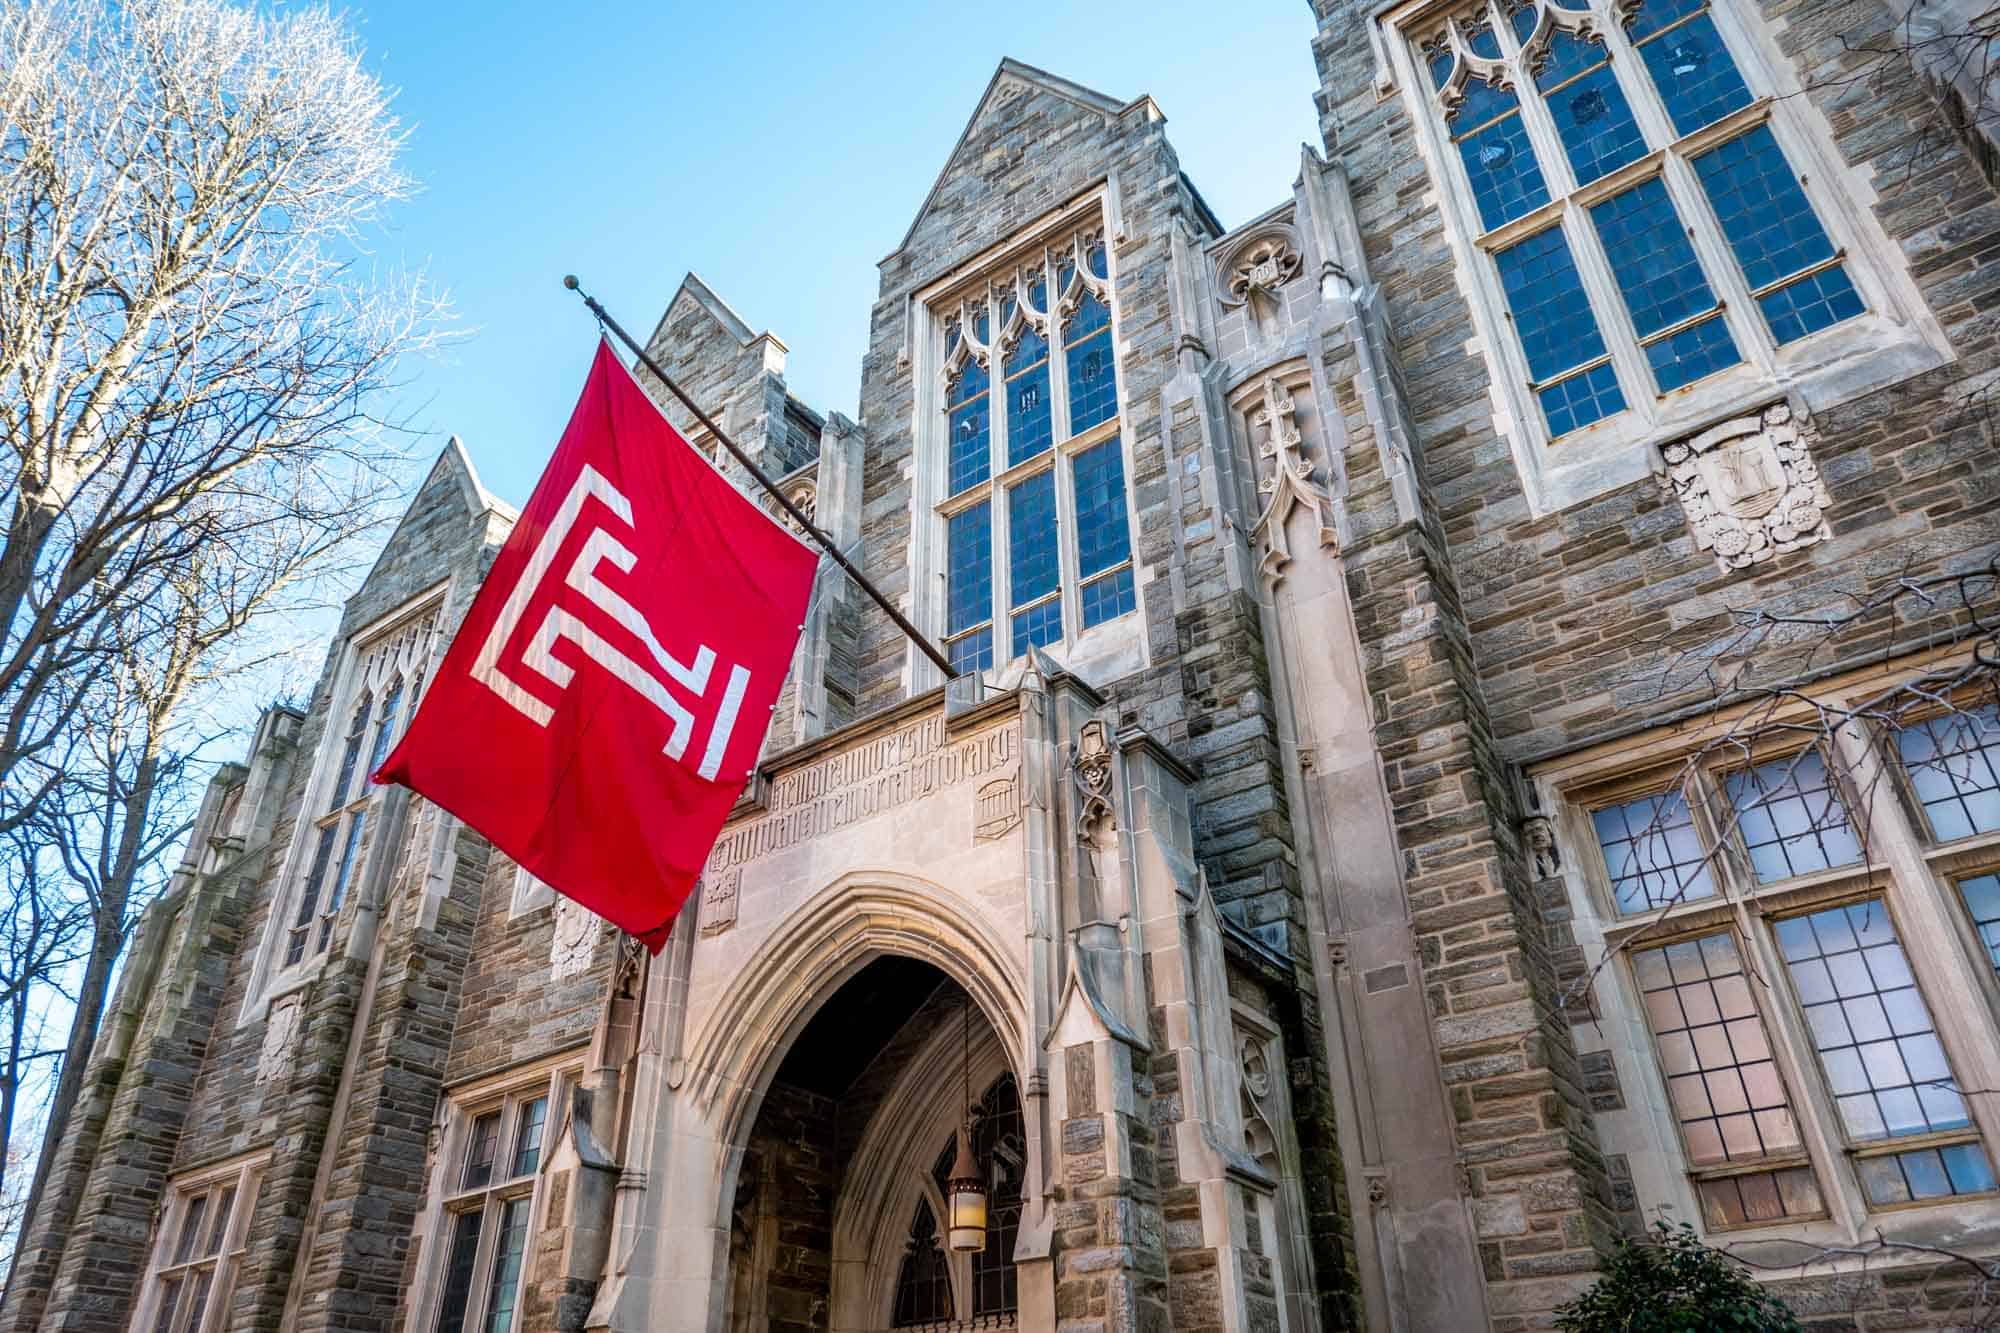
[798,515]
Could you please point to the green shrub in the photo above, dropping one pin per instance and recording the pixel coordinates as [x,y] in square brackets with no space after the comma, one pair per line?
[1673,1283]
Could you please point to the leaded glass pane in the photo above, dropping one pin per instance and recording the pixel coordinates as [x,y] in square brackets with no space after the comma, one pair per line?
[1592,117]
[528,1137]
[1759,1197]
[309,893]
[1773,232]
[972,652]
[170,1295]
[1694,73]
[999,1146]
[1558,331]
[482,1145]
[1438,58]
[1982,900]
[1031,534]
[971,451]
[504,1290]
[350,854]
[1038,626]
[198,1299]
[385,728]
[1870,1025]
[458,1273]
[1791,818]
[1954,765]
[350,755]
[1493,143]
[1107,597]
[1480,38]
[1087,360]
[1028,426]
[197,1212]
[1097,260]
[1102,539]
[1663,284]
[923,1280]
[1521,14]
[1654,15]
[969,568]
[1721,1079]
[1652,853]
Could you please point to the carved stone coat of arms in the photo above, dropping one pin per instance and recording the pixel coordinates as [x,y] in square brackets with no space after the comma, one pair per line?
[1750,487]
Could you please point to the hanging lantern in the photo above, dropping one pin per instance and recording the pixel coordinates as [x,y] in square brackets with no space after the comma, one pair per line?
[965,1195]
[965,1199]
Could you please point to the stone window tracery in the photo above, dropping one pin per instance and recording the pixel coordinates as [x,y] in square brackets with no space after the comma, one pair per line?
[1808,1020]
[1037,545]
[923,1282]
[1634,190]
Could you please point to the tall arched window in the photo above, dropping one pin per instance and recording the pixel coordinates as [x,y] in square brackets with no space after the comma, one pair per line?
[999,1143]
[1037,546]
[923,1282]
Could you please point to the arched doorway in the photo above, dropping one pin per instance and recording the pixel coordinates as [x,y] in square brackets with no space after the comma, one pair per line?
[836,1225]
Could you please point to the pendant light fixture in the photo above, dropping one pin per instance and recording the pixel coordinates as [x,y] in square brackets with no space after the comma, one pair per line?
[965,1196]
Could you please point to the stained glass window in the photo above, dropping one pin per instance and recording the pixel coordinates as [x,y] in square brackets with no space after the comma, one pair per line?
[1093,375]
[1954,765]
[971,444]
[1592,116]
[969,599]
[385,727]
[999,1146]
[1653,853]
[1034,570]
[1883,1061]
[1028,426]
[1674,311]
[1690,66]
[350,754]
[1493,143]
[1103,540]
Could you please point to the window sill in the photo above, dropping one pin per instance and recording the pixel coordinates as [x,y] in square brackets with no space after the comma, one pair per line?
[283,984]
[1101,654]
[1863,355]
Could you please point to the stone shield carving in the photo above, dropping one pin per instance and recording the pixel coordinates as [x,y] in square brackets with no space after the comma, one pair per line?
[1750,488]
[573,947]
[719,891]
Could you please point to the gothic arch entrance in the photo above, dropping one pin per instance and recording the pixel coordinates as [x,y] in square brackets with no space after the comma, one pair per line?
[836,1222]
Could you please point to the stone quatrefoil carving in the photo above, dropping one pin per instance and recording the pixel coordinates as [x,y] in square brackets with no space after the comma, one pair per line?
[1264,264]
[1749,487]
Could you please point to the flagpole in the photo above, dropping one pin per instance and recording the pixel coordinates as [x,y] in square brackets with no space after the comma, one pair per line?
[798,515]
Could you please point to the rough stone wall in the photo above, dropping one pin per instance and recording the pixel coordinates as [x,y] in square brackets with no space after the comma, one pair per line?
[793,1154]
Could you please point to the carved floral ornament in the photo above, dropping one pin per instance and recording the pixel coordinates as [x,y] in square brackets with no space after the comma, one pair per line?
[1264,262]
[1466,46]
[1749,487]
[805,496]
[996,315]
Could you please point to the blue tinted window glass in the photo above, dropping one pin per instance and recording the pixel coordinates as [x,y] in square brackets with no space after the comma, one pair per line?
[1649,252]
[971,452]
[1582,399]
[1762,209]
[1038,293]
[1810,304]
[969,568]
[974,652]
[1031,538]
[1499,162]
[1654,15]
[1479,35]
[1089,316]
[1098,261]
[1566,56]
[1954,765]
[1591,114]
[1101,536]
[1439,59]
[1551,312]
[1691,353]
[1028,428]
[1522,14]
[1695,76]
[1038,626]
[1107,598]
[1093,380]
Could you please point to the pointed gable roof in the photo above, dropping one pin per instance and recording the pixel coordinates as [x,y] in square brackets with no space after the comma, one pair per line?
[1014,74]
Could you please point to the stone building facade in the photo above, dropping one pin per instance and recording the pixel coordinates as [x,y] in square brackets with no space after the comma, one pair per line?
[1354,873]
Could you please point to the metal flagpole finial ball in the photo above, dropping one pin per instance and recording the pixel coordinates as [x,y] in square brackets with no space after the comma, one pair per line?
[569,281]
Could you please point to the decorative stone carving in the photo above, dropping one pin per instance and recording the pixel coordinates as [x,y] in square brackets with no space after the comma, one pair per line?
[1750,488]
[1264,263]
[802,494]
[1540,836]
[718,899]
[1287,480]
[281,1032]
[997,809]
[1091,769]
[1259,1137]
[573,947]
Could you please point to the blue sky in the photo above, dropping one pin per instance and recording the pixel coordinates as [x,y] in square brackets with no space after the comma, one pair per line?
[779,151]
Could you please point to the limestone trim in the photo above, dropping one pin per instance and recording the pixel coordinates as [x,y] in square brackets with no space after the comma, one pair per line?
[1897,335]
[393,657]
[1287,478]
[491,1118]
[826,939]
[199,1234]
[1750,488]
[1900,866]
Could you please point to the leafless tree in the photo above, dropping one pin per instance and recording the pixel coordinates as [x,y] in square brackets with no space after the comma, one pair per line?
[195,355]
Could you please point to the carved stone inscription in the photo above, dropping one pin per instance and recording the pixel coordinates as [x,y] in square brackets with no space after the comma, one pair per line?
[905,765]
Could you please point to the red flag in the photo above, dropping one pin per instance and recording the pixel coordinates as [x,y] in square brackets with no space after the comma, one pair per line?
[599,710]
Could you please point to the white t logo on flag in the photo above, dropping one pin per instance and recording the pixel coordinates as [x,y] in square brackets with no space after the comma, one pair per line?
[602,546]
